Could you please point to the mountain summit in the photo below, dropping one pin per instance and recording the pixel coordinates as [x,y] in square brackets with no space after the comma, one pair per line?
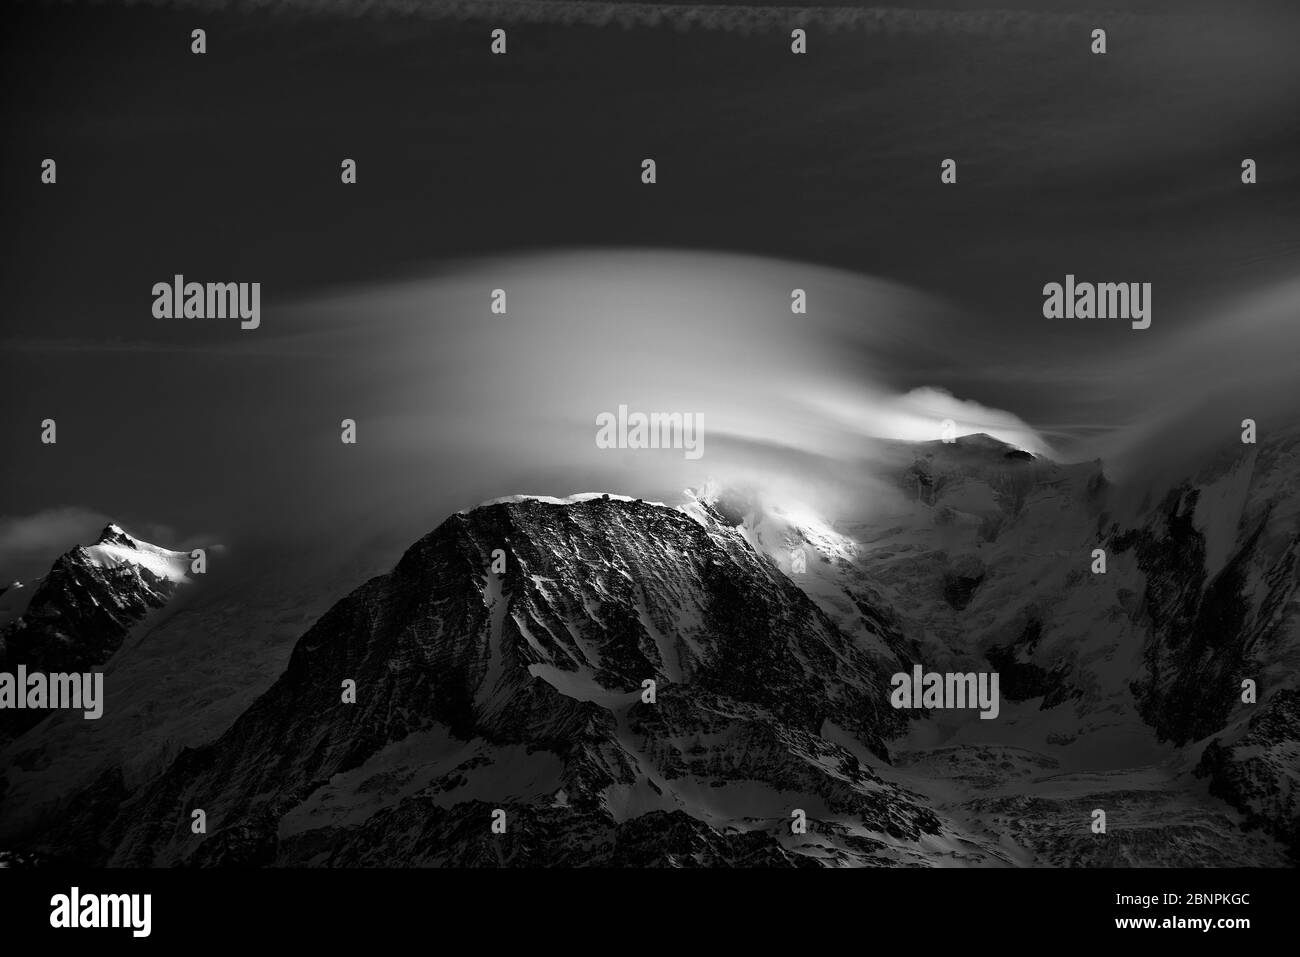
[679,690]
[84,607]
[604,680]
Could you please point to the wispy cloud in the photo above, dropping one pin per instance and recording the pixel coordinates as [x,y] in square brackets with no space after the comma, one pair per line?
[894,18]
[29,543]
[243,348]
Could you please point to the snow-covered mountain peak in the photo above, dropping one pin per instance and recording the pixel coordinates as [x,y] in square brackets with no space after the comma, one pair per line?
[554,500]
[117,547]
[114,532]
[93,595]
[979,441]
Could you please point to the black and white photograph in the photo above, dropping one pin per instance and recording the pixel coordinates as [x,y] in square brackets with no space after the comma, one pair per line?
[596,437]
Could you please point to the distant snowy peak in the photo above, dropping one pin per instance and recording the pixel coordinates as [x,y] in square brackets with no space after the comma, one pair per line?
[973,455]
[978,442]
[115,533]
[82,610]
[116,547]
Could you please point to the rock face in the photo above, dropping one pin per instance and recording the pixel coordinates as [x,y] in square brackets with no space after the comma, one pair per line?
[1115,681]
[477,691]
[503,672]
[1259,774]
[81,612]
[1220,557]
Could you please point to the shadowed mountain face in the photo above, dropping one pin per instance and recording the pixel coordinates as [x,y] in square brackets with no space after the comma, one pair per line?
[82,611]
[504,665]
[525,690]
[1113,682]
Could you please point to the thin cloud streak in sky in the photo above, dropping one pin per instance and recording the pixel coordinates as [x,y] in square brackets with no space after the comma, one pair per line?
[873,18]
[243,348]
[28,543]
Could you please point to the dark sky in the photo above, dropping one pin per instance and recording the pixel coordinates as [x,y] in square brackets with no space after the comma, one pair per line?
[226,167]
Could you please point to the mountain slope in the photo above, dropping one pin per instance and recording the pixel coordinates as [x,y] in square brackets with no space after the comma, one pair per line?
[1112,683]
[523,692]
[81,612]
